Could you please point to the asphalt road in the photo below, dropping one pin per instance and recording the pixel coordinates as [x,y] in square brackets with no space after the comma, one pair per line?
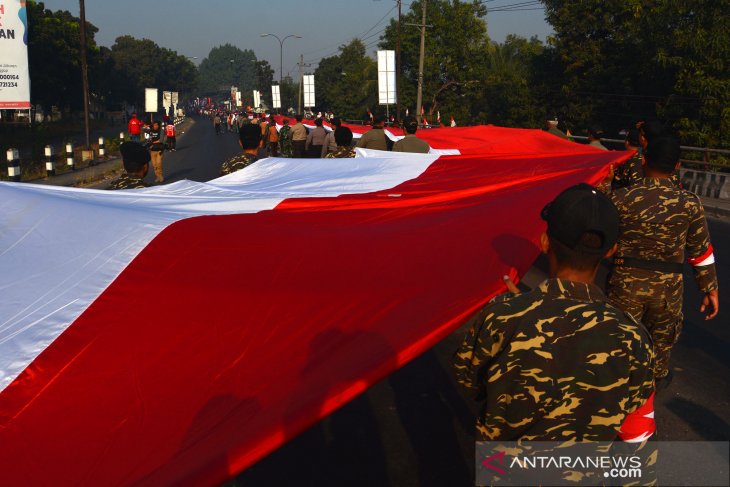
[415,428]
[199,153]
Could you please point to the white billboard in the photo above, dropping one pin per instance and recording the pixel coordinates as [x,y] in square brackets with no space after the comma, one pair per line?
[175,97]
[275,96]
[166,100]
[239,100]
[150,100]
[309,90]
[14,76]
[256,98]
[386,77]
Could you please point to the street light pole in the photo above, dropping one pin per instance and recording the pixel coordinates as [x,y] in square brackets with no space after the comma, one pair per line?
[281,51]
[84,69]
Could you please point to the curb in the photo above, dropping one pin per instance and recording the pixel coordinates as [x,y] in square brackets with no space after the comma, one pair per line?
[716,211]
[95,174]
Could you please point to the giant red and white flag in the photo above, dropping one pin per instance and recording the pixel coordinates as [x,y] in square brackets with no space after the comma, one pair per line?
[175,335]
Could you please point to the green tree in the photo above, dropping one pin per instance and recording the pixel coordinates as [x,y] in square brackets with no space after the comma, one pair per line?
[54,56]
[456,47]
[696,49]
[623,60]
[289,91]
[141,63]
[227,66]
[264,80]
[346,84]
[507,96]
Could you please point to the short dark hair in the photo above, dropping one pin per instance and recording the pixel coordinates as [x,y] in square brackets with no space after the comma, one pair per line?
[662,154]
[336,121]
[343,136]
[410,124]
[134,156]
[318,122]
[575,259]
[378,119]
[299,117]
[250,136]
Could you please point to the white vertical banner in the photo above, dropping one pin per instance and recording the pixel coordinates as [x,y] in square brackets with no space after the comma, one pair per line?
[166,100]
[256,98]
[175,98]
[14,75]
[239,100]
[309,90]
[150,100]
[386,77]
[275,96]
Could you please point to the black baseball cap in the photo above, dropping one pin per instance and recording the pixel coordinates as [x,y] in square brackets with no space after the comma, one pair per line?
[578,210]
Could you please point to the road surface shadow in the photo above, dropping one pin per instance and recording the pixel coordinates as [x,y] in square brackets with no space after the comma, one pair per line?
[704,422]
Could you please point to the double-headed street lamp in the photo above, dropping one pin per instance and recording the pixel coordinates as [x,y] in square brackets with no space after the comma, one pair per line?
[281,51]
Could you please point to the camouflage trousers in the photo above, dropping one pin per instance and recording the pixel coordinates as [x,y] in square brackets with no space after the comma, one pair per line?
[655,299]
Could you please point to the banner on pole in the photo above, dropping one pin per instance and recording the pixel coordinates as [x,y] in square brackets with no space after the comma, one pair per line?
[150,100]
[309,90]
[386,77]
[275,96]
[175,98]
[166,100]
[239,100]
[256,98]
[14,75]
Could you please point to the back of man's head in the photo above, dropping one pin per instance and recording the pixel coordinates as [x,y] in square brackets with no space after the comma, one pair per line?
[410,124]
[134,156]
[378,120]
[318,122]
[583,226]
[343,136]
[250,136]
[299,117]
[336,121]
[662,154]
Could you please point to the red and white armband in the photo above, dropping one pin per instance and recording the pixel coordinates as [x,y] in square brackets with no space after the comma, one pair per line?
[707,258]
[639,425]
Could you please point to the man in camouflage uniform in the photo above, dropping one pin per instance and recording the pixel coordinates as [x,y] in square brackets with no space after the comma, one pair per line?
[136,161]
[285,139]
[659,222]
[632,171]
[559,363]
[343,138]
[249,137]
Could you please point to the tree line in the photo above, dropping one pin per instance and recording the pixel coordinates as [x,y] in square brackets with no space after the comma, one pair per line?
[609,62]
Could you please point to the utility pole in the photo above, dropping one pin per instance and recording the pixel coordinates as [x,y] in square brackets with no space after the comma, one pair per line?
[397,68]
[301,80]
[419,97]
[84,70]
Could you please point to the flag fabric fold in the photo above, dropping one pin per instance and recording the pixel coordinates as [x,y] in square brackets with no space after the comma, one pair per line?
[177,334]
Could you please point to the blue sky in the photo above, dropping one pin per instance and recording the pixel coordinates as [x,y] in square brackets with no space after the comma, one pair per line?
[193,27]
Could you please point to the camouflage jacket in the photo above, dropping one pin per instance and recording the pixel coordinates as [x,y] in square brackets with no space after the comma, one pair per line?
[285,141]
[127,182]
[632,172]
[341,152]
[659,222]
[555,364]
[236,163]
